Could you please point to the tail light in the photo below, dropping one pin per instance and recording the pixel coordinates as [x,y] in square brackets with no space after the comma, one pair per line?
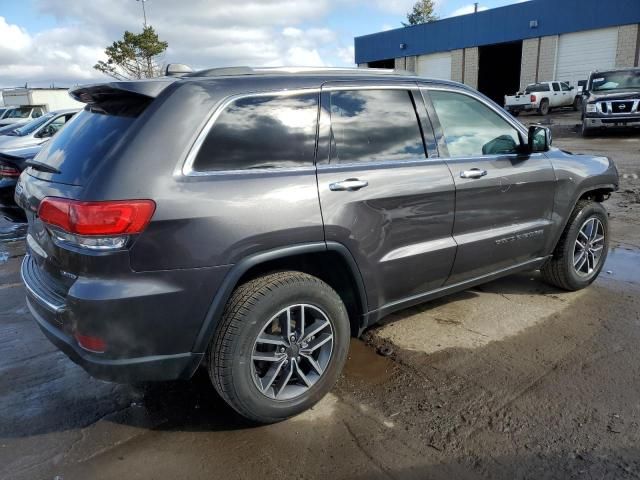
[90,343]
[533,99]
[8,171]
[95,225]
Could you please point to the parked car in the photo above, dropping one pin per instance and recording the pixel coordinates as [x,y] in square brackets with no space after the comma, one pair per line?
[543,97]
[21,115]
[288,209]
[12,164]
[35,132]
[611,99]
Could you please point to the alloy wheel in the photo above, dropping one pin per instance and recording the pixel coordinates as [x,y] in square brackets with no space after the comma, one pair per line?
[292,351]
[589,247]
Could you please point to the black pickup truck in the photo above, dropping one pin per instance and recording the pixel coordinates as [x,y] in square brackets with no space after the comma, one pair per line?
[611,99]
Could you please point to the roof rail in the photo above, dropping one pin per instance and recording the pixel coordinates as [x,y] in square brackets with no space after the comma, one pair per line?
[231,71]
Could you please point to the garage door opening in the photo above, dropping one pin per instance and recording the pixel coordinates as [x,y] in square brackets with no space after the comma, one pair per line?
[499,70]
[388,63]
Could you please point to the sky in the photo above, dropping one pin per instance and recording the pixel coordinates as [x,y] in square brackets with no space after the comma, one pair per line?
[57,42]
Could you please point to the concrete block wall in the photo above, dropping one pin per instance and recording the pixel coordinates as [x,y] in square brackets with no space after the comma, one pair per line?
[471,65]
[400,63]
[410,64]
[529,64]
[363,65]
[547,58]
[627,51]
[457,59]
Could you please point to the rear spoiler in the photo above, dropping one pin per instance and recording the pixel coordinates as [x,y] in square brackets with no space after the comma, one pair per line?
[100,92]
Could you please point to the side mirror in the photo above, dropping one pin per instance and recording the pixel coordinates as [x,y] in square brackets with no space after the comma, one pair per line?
[572,88]
[539,139]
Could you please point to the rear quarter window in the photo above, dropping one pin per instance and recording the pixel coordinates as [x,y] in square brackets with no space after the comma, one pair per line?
[266,131]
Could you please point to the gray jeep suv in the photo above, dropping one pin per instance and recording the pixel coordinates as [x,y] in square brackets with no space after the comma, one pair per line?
[251,220]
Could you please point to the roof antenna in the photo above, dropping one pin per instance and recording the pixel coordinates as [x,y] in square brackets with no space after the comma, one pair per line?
[475,7]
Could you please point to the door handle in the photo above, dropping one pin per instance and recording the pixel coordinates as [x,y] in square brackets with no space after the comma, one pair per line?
[473,173]
[349,185]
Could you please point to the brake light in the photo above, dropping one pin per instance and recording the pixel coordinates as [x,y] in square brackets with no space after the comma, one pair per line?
[122,217]
[8,171]
[533,99]
[91,344]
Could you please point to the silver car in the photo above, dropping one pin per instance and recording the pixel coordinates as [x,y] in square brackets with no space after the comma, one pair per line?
[35,132]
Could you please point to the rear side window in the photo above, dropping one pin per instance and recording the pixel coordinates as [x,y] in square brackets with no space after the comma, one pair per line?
[374,125]
[82,144]
[556,87]
[262,132]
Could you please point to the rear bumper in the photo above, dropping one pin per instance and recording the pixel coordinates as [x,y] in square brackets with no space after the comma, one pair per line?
[521,108]
[143,343]
[130,370]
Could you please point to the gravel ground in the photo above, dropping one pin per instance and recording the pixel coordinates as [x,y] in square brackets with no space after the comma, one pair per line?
[513,379]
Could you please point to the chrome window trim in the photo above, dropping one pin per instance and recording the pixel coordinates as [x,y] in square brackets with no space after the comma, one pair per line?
[501,113]
[187,169]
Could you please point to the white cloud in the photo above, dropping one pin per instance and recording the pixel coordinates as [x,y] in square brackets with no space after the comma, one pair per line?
[347,55]
[467,9]
[203,33]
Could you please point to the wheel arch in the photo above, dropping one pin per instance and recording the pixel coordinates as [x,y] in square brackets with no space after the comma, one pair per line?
[596,193]
[330,261]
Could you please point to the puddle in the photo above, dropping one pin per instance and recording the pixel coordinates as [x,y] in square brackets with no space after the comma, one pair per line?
[366,365]
[624,265]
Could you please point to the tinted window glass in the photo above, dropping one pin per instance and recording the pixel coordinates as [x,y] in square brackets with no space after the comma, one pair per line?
[471,128]
[565,87]
[537,87]
[262,132]
[556,87]
[370,125]
[82,144]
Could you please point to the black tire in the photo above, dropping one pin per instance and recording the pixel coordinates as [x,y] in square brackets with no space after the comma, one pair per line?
[252,304]
[577,104]
[544,107]
[515,113]
[586,131]
[559,270]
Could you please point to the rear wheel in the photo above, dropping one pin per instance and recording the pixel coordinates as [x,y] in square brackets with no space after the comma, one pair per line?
[280,346]
[544,107]
[515,113]
[582,249]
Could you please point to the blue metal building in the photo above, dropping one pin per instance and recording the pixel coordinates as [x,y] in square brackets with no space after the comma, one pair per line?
[531,41]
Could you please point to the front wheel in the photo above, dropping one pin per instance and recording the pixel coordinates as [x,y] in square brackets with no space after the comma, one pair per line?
[586,131]
[280,346]
[582,249]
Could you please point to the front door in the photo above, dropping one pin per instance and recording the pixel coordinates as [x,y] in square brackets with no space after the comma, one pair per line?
[382,196]
[504,199]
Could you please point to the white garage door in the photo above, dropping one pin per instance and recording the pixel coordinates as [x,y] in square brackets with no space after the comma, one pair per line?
[435,65]
[582,52]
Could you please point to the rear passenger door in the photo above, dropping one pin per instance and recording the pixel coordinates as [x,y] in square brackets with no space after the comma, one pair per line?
[383,196]
[504,199]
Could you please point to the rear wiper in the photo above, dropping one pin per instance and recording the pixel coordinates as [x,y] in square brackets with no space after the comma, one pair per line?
[43,167]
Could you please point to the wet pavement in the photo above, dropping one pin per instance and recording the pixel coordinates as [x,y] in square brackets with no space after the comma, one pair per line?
[512,379]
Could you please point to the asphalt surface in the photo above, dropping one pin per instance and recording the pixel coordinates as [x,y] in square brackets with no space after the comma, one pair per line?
[513,379]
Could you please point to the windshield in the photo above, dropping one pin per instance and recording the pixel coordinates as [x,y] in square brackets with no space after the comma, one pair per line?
[33,125]
[19,113]
[537,87]
[615,80]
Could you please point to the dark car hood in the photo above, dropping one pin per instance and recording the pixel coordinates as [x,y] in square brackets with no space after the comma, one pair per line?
[615,95]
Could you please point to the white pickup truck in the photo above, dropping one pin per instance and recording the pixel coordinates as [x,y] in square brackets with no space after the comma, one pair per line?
[542,97]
